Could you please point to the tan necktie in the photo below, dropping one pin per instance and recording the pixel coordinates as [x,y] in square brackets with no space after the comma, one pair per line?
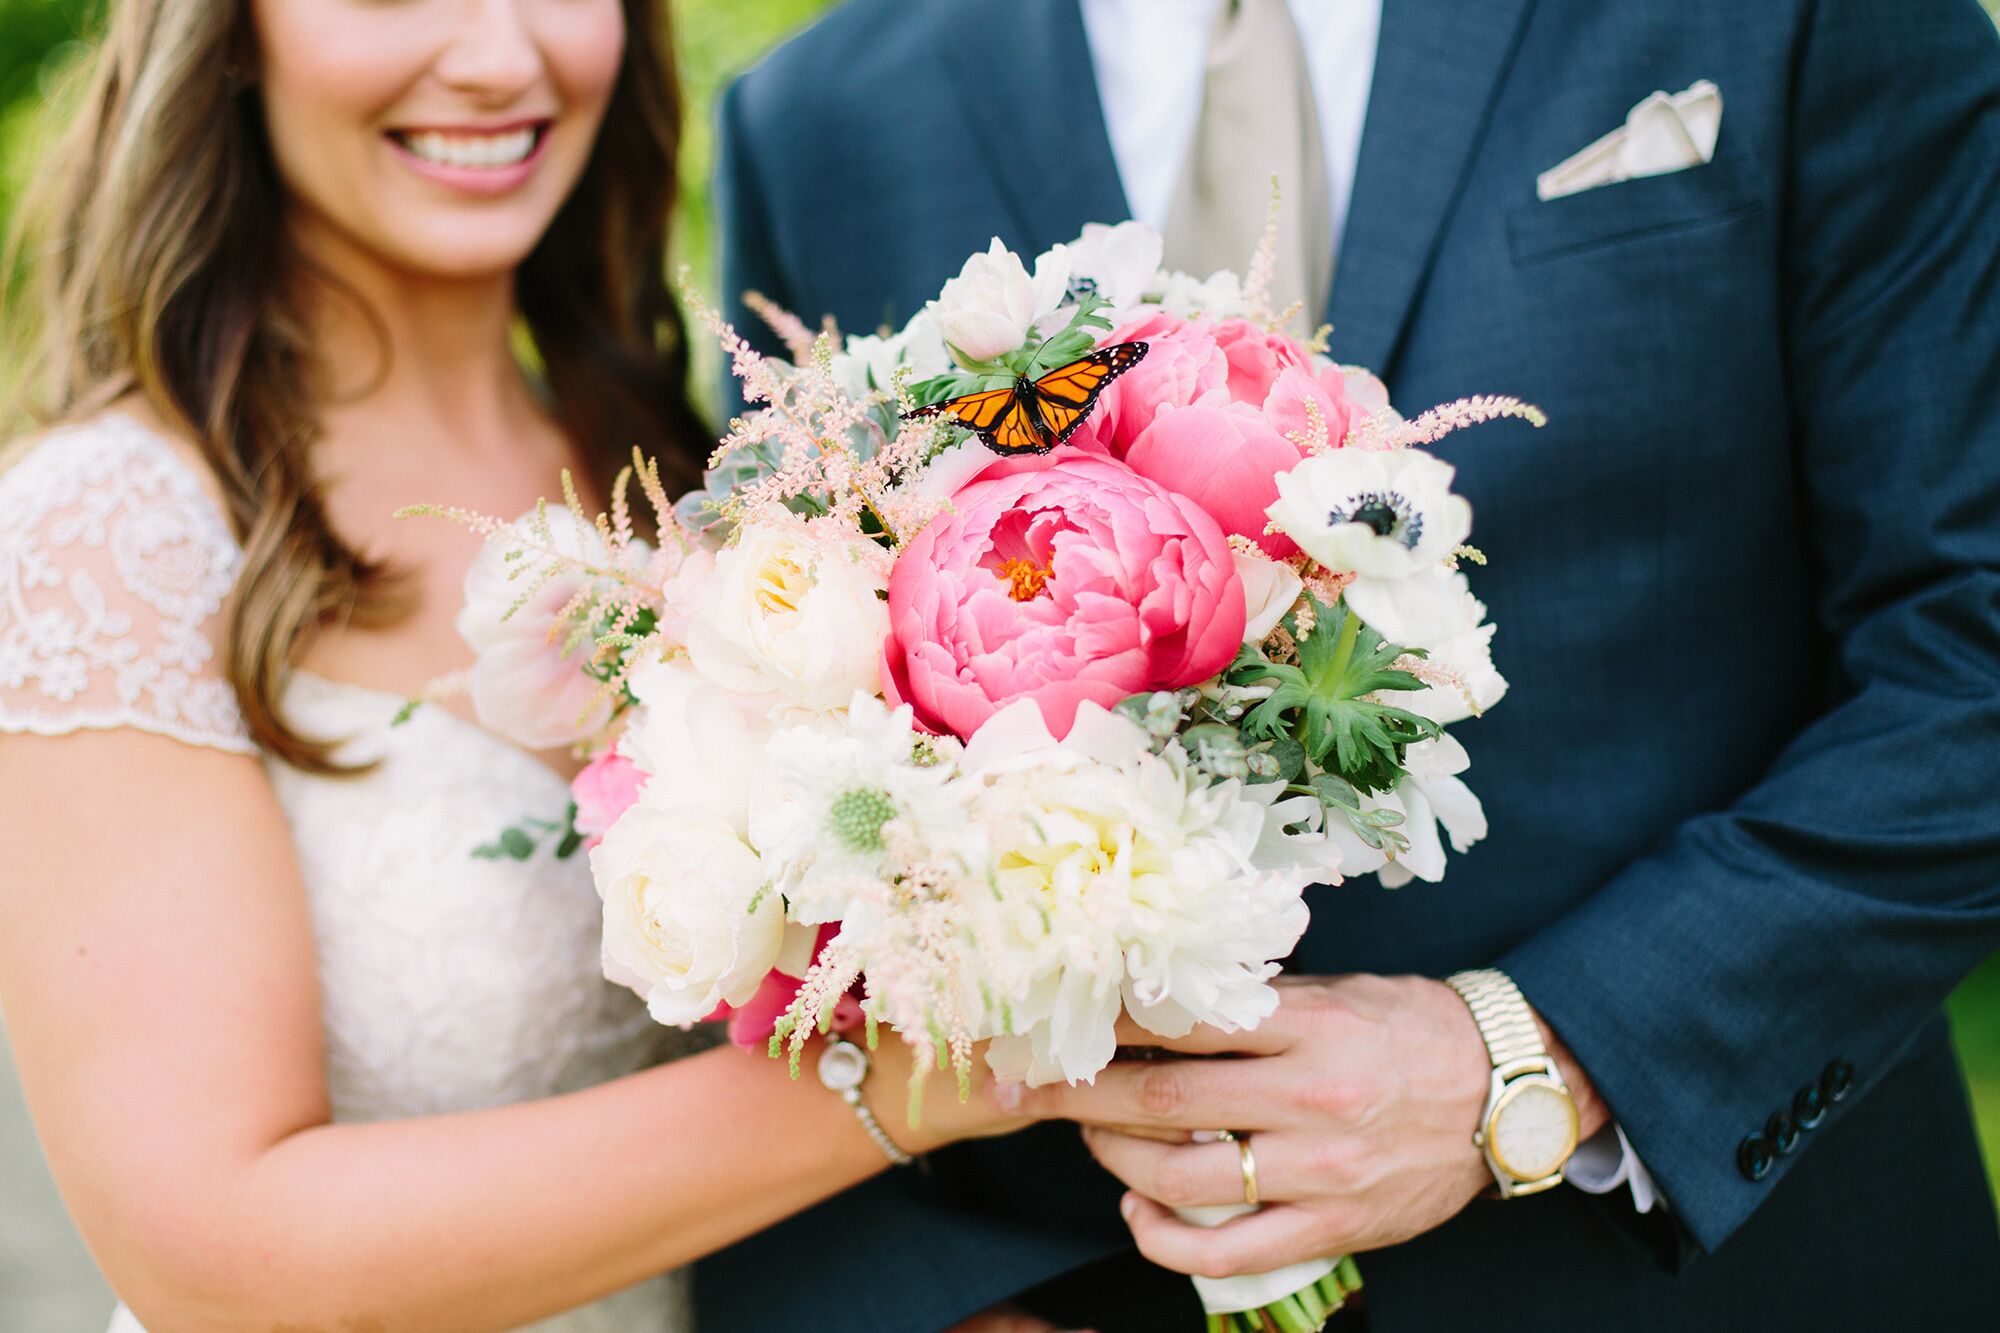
[1258,120]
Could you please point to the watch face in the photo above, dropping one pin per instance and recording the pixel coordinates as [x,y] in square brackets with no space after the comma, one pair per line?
[1533,1131]
[842,1065]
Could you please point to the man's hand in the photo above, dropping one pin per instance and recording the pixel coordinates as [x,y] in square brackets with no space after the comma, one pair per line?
[1360,1097]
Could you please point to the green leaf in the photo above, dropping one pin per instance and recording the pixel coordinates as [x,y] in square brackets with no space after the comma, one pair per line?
[1322,703]
[406,712]
[517,844]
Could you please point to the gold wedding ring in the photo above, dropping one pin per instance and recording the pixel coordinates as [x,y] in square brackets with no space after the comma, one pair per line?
[1248,1161]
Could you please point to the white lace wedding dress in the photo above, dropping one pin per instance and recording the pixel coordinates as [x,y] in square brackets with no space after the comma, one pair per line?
[449,982]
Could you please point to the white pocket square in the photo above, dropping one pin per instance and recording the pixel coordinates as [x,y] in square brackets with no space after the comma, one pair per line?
[1667,132]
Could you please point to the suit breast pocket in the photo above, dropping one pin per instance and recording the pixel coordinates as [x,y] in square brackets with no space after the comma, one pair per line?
[1634,210]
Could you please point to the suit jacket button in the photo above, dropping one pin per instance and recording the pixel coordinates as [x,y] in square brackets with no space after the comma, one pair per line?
[1809,1107]
[1837,1080]
[1754,1157]
[1783,1134]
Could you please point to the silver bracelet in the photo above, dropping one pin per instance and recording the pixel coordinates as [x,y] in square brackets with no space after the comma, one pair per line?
[842,1067]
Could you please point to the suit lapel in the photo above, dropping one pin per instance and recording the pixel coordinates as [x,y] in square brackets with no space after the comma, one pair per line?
[1022,69]
[1437,70]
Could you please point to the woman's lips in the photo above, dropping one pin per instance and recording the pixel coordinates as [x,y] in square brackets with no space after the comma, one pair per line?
[474,161]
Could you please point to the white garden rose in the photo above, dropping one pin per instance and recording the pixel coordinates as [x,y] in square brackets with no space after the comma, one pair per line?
[988,309]
[689,923]
[1123,880]
[793,615]
[1218,296]
[1270,589]
[701,747]
[523,685]
[1389,517]
[868,362]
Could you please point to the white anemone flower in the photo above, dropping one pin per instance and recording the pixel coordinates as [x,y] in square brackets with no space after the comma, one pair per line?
[1389,517]
[1433,797]
[1118,263]
[1462,678]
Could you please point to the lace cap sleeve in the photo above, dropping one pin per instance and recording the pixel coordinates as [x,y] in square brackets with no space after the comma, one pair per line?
[114,565]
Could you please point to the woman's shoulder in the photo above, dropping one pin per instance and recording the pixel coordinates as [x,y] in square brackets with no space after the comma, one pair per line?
[119,452]
[115,564]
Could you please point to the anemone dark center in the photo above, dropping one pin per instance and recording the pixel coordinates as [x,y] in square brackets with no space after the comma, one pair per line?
[1385,513]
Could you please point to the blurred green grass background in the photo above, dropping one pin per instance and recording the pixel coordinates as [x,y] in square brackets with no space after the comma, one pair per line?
[39,42]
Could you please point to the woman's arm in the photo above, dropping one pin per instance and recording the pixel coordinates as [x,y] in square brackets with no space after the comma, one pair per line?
[157,970]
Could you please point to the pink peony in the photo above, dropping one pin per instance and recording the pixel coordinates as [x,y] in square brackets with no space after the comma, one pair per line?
[1226,459]
[1058,579]
[604,790]
[1183,365]
[1256,358]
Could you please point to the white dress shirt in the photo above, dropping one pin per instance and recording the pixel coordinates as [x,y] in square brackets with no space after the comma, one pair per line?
[1150,57]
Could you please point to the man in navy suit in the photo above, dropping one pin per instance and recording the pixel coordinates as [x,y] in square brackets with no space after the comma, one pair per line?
[1745,792]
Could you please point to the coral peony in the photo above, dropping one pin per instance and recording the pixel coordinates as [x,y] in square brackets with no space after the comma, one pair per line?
[1060,579]
[1224,458]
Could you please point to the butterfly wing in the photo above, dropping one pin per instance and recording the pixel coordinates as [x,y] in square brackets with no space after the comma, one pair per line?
[1000,416]
[975,411]
[1066,395]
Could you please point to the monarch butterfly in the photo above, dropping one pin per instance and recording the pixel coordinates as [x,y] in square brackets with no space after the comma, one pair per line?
[1034,416]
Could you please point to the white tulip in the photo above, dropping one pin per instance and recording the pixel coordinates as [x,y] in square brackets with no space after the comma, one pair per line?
[988,309]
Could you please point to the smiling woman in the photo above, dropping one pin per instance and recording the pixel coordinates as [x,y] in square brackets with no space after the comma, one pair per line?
[287,260]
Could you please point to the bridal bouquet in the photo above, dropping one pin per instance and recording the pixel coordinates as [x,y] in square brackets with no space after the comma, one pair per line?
[1013,671]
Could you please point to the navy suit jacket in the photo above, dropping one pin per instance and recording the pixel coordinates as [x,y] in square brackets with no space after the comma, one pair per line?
[1745,791]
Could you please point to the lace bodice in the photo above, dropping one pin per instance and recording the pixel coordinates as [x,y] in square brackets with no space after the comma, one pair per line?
[449,982]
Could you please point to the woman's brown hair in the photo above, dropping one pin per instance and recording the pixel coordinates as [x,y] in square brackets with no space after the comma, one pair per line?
[160,265]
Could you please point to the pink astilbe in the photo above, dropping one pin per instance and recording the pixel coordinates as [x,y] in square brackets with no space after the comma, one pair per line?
[916,964]
[791,330]
[820,446]
[617,590]
[1384,431]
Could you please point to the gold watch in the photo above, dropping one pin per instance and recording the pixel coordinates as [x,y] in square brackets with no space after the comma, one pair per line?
[1529,1128]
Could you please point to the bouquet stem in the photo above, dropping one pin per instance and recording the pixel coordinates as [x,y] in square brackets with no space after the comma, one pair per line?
[1304,1311]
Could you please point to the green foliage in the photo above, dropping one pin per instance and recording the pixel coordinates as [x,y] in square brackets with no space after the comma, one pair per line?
[521,841]
[1032,358]
[1324,702]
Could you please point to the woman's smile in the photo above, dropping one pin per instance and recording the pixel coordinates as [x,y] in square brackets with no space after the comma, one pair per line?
[474,159]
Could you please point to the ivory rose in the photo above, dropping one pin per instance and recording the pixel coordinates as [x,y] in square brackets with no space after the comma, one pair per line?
[1060,579]
[790,613]
[687,922]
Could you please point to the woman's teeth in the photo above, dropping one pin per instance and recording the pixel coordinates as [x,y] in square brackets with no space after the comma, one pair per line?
[472,150]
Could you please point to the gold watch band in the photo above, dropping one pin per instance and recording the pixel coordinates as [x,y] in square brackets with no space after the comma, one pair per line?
[1506,1023]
